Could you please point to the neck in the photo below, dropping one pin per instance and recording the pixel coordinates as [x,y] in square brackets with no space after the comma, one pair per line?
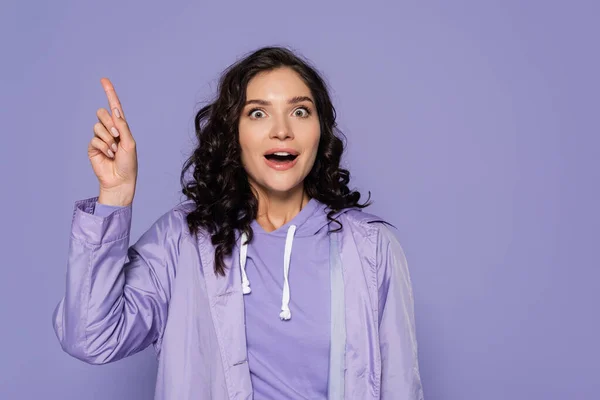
[277,209]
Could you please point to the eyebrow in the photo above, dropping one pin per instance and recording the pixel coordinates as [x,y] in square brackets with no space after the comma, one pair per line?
[293,100]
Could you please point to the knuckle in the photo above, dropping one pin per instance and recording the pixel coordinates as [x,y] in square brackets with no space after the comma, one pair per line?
[101,144]
[129,147]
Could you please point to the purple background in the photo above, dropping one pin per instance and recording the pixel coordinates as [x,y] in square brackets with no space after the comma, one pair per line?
[471,123]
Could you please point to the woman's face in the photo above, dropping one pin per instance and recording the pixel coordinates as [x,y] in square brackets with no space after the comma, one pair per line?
[279,131]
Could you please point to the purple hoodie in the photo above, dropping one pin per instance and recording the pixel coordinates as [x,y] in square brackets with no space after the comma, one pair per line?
[355,327]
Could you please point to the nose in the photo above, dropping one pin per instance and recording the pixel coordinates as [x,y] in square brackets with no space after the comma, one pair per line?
[282,130]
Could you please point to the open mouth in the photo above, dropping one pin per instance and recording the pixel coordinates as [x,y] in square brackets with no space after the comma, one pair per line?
[281,156]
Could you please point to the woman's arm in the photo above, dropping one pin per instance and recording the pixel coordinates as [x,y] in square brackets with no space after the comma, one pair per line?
[116,297]
[397,335]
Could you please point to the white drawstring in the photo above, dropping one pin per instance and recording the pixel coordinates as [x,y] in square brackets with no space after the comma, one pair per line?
[285,314]
[243,252]
[285,298]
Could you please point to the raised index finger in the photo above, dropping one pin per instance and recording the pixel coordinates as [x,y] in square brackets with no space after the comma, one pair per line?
[111,94]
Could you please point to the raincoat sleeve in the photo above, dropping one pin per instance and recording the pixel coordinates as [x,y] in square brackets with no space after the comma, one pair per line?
[400,377]
[116,298]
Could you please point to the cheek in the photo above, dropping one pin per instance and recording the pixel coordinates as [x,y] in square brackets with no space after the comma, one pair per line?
[252,135]
[313,147]
[243,136]
[247,142]
[248,161]
[249,155]
[316,139]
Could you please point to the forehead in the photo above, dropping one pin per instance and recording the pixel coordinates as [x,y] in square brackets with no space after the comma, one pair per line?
[281,82]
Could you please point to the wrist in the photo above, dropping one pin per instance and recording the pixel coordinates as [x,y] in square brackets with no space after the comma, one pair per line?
[115,198]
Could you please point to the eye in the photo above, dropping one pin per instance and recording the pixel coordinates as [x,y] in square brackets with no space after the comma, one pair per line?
[256,113]
[302,112]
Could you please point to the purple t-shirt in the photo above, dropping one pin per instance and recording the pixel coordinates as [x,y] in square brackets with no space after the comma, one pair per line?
[287,359]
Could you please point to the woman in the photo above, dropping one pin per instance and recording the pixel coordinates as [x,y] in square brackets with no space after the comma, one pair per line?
[269,282]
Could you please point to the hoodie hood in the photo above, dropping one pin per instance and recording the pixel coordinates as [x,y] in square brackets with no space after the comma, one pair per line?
[308,222]
[311,218]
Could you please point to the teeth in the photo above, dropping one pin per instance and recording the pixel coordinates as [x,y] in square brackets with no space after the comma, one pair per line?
[282,153]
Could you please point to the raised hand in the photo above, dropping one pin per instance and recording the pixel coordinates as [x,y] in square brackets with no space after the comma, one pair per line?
[112,152]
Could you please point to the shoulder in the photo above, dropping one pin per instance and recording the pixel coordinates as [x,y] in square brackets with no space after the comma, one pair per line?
[383,234]
[365,221]
[177,213]
[183,209]
[172,223]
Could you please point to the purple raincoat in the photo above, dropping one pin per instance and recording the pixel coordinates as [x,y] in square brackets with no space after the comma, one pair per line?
[163,291]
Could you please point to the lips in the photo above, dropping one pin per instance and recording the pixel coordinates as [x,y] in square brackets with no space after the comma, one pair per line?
[281,155]
[281,159]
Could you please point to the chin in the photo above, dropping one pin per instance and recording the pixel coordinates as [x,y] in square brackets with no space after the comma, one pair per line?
[282,188]
[282,185]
